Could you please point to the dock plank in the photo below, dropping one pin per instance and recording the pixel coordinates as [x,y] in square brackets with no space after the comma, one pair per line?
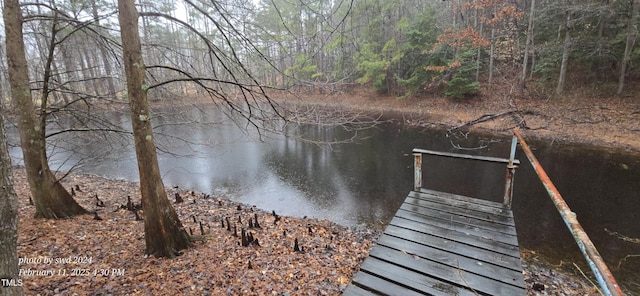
[444,244]
[466,212]
[444,273]
[457,236]
[469,204]
[480,223]
[461,197]
[381,283]
[486,268]
[472,230]
[420,283]
[505,260]
[357,291]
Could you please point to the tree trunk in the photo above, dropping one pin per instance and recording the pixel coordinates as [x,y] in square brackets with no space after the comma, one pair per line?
[9,270]
[111,89]
[163,231]
[632,34]
[8,220]
[50,198]
[479,51]
[528,45]
[566,49]
[491,56]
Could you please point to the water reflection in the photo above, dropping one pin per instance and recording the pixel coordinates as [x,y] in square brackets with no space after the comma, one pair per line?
[367,180]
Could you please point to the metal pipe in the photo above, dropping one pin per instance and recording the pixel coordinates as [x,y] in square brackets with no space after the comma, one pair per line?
[417,176]
[605,279]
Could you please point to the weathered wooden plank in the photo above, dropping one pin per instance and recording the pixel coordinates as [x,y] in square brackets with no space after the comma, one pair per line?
[506,259]
[467,205]
[460,211]
[454,218]
[424,284]
[379,283]
[445,273]
[511,275]
[461,227]
[353,290]
[465,156]
[462,198]
[456,236]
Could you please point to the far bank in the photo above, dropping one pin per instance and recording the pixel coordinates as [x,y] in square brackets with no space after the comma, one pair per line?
[612,123]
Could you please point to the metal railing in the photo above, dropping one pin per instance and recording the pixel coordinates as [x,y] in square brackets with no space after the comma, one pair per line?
[605,279]
[511,162]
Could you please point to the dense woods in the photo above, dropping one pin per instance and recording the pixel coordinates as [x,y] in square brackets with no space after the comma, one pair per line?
[402,47]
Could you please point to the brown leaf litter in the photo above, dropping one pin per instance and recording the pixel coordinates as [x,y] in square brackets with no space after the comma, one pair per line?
[85,256]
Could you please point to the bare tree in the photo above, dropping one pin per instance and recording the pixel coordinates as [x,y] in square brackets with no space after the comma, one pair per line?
[632,34]
[566,50]
[164,234]
[51,199]
[528,45]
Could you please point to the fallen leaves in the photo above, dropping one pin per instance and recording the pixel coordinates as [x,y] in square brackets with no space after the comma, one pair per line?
[217,265]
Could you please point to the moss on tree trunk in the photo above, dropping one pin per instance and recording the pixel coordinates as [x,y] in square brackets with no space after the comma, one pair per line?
[164,234]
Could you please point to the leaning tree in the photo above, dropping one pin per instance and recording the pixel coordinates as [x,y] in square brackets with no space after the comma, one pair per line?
[51,199]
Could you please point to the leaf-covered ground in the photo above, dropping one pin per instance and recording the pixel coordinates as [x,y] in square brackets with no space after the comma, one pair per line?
[84,256]
[107,256]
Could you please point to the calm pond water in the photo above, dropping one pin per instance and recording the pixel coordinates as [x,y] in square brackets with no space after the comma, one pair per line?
[366,180]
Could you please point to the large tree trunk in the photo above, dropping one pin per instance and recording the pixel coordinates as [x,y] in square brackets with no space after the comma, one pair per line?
[163,232]
[8,199]
[8,221]
[632,34]
[50,198]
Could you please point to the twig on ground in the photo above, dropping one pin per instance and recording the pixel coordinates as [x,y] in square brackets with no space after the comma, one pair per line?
[625,259]
[587,278]
[623,237]
[464,280]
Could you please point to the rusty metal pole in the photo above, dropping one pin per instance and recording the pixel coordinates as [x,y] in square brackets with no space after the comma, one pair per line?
[605,279]
[417,175]
[511,171]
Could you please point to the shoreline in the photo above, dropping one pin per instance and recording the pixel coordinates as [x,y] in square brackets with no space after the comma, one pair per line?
[334,252]
[612,124]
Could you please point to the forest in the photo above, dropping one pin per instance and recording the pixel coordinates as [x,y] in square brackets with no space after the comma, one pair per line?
[75,59]
[399,47]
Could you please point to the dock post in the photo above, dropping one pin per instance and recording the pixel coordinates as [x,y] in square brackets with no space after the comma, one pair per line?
[417,176]
[511,171]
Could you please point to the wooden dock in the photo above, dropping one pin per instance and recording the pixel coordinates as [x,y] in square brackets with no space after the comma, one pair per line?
[444,244]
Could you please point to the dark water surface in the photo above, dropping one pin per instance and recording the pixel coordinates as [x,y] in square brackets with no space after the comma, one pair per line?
[365,181]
